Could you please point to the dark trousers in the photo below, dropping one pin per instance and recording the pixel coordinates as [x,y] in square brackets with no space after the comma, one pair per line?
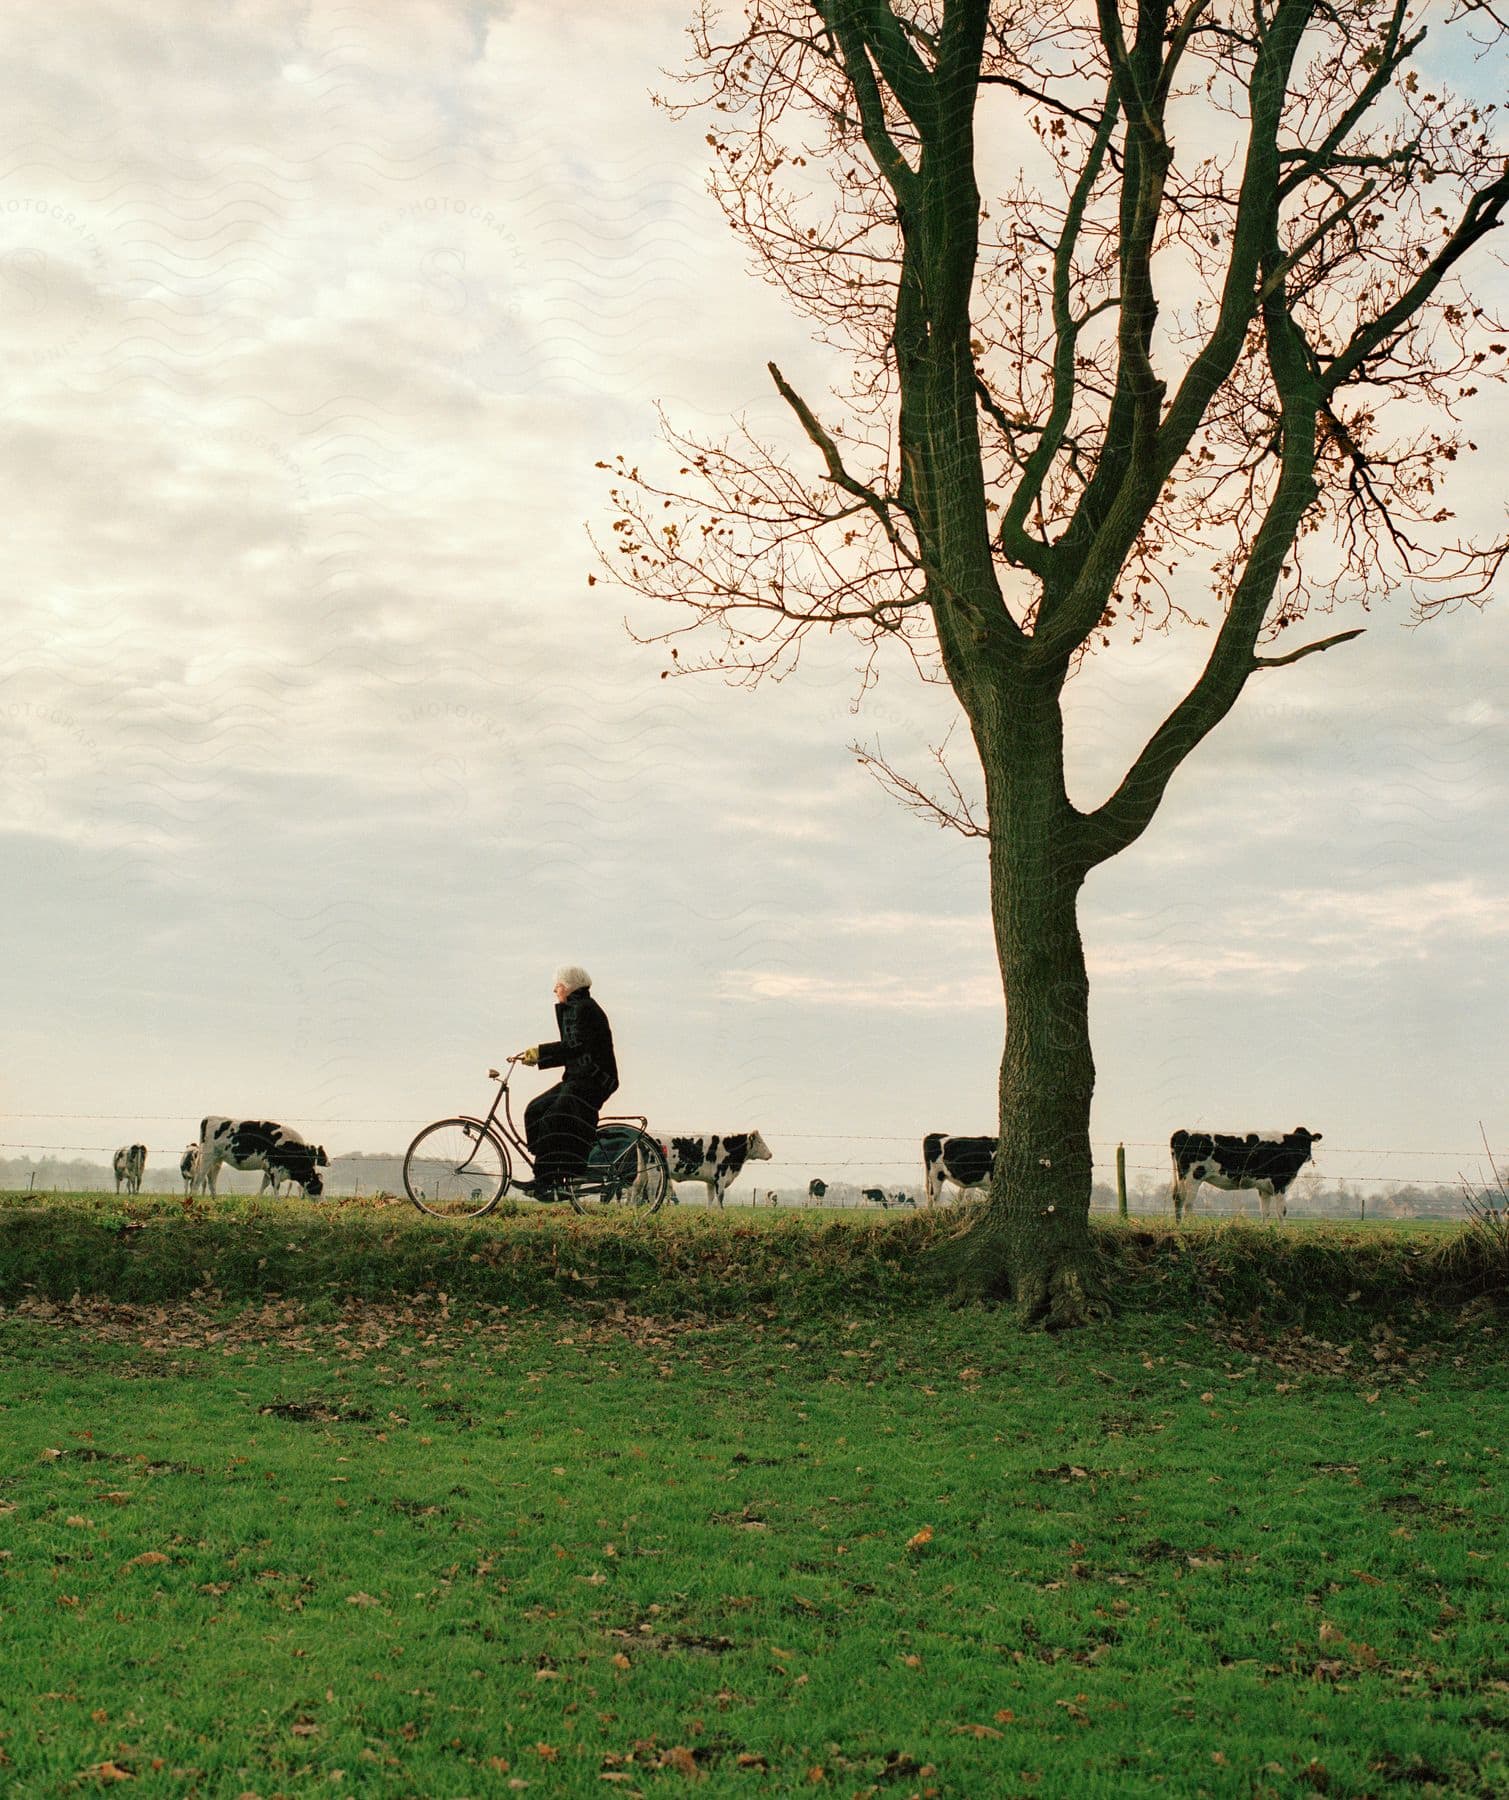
[558,1127]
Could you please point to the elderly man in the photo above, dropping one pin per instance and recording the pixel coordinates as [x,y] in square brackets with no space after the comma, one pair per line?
[559,1124]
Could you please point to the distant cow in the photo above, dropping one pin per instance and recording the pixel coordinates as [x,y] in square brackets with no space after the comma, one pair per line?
[965,1161]
[130,1165]
[280,1152]
[875,1196]
[816,1189]
[904,1199]
[1227,1161]
[714,1160]
[188,1168]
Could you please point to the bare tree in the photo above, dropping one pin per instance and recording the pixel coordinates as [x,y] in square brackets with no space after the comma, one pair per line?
[1216,317]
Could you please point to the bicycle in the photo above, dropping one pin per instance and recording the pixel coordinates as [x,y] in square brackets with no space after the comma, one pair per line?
[460,1168]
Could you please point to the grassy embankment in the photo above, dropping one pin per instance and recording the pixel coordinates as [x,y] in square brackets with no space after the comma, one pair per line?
[807,1530]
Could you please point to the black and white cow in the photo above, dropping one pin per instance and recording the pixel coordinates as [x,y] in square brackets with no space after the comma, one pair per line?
[816,1188]
[875,1196]
[965,1161]
[1227,1161]
[280,1152]
[188,1168]
[714,1160]
[130,1165]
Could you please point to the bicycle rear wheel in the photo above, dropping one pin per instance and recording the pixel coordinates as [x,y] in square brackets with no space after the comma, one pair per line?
[626,1169]
[455,1169]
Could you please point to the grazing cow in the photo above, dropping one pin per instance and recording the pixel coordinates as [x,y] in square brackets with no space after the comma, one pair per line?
[904,1199]
[816,1189]
[965,1161]
[875,1196]
[130,1165]
[188,1168]
[281,1153]
[1227,1161]
[714,1160]
[770,1197]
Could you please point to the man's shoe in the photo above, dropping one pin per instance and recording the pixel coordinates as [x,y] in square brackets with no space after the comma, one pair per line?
[534,1190]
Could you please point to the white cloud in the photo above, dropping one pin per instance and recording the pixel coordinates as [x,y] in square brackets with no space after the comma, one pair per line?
[319,752]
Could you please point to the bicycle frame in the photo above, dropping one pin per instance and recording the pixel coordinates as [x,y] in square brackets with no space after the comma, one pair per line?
[468,1144]
[515,1139]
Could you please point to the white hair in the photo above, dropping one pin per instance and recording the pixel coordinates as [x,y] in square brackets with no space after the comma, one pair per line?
[570,977]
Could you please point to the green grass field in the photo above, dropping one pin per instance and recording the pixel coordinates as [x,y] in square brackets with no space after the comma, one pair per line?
[439,1546]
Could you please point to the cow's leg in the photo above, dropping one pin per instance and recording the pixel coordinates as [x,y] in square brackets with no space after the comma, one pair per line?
[1184,1196]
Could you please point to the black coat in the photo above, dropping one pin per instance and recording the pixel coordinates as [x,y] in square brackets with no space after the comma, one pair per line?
[585,1050]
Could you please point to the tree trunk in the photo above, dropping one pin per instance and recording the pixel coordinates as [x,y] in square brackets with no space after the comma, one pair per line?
[1033,1238]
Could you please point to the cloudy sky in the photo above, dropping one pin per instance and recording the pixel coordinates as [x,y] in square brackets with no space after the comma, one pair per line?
[317,752]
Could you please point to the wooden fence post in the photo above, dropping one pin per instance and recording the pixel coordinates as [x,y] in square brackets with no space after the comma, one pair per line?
[1121,1180]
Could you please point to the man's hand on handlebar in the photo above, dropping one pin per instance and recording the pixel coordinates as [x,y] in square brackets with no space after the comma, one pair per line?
[528,1057]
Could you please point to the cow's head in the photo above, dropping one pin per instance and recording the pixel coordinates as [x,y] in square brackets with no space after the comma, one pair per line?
[758,1150]
[1302,1135]
[297,1162]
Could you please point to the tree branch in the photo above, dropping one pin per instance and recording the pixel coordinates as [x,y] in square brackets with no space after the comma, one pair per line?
[1115,504]
[1013,536]
[1129,811]
[854,49]
[957,815]
[1278,662]
[837,473]
[1482,215]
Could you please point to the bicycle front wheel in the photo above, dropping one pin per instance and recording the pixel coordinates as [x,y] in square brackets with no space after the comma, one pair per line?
[626,1169]
[455,1169]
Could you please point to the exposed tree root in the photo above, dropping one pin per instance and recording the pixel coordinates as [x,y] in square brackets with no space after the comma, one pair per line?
[1061,1298]
[971,1262]
[1054,1287]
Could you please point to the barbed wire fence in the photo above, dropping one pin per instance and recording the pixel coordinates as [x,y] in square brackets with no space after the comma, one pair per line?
[881,1165]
